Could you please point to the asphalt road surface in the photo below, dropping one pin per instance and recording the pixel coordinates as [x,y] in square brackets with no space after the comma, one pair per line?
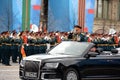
[9,72]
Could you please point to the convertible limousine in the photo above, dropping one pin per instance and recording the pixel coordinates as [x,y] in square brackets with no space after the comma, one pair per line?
[72,60]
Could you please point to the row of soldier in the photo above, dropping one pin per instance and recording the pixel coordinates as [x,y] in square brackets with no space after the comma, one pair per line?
[34,43]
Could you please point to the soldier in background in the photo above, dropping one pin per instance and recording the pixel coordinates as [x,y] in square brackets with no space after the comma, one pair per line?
[58,37]
[14,48]
[6,49]
[70,35]
[0,48]
[53,40]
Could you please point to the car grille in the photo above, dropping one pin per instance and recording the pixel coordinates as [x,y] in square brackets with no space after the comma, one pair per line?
[32,67]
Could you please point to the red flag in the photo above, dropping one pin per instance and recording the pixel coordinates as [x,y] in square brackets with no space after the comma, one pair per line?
[85,29]
[25,39]
[91,11]
[36,7]
[23,51]
[58,39]
[116,39]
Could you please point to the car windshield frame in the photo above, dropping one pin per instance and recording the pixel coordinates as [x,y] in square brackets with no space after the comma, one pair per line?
[70,48]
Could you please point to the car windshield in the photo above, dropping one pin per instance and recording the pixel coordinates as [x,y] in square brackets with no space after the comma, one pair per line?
[69,48]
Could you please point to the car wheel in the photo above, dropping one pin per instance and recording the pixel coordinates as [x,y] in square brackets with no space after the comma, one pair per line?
[71,74]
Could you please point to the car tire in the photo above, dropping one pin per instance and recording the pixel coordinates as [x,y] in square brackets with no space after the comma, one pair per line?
[71,74]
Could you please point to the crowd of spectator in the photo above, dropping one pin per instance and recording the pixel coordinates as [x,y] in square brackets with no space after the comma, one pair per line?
[37,42]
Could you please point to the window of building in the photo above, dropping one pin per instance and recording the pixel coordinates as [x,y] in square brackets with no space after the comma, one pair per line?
[101,9]
[118,10]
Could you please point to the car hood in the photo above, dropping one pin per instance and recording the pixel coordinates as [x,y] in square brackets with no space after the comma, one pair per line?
[46,56]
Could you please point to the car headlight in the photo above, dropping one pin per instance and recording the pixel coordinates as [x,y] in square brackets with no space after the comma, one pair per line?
[22,63]
[51,65]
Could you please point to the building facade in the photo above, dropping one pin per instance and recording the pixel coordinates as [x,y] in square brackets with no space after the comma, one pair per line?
[107,15]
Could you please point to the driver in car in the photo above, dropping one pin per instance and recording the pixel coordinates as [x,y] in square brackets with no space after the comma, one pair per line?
[93,49]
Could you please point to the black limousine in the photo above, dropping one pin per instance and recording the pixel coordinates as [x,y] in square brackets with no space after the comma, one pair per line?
[72,60]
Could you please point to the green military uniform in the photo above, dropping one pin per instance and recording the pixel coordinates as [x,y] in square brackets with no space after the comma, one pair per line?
[30,48]
[19,41]
[53,41]
[33,41]
[36,46]
[42,45]
[0,50]
[79,37]
[6,51]
[110,46]
[106,45]
[39,42]
[96,42]
[14,49]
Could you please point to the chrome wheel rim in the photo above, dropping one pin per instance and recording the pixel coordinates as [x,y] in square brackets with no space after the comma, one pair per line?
[72,76]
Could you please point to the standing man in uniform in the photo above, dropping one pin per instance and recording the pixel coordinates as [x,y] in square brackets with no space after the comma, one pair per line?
[78,35]
[6,49]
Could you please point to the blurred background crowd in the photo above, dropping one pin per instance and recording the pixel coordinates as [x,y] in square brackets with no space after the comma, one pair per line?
[39,42]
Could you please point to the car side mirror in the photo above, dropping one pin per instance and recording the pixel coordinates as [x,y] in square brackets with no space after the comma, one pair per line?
[91,54]
[114,51]
[99,50]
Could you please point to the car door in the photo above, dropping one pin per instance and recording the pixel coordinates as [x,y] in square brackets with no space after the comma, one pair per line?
[101,67]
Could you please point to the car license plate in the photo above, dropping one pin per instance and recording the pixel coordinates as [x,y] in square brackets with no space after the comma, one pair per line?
[31,74]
